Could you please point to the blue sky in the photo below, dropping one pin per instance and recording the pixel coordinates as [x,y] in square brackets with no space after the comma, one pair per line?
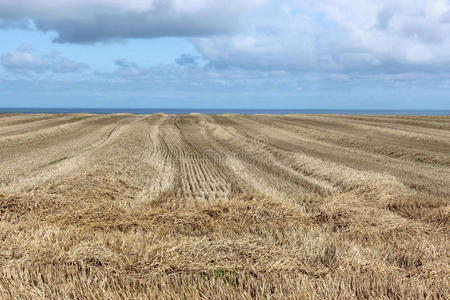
[359,54]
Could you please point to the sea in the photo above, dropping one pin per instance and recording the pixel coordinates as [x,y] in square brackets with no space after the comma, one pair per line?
[23,110]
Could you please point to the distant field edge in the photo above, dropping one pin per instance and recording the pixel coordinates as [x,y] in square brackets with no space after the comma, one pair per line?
[214,111]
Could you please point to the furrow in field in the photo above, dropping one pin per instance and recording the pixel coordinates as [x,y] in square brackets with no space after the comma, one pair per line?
[204,177]
[436,141]
[170,148]
[414,132]
[40,124]
[156,155]
[63,155]
[213,157]
[17,119]
[409,196]
[245,140]
[198,179]
[381,190]
[111,174]
[48,141]
[404,148]
[434,122]
[262,161]
[431,178]
[19,145]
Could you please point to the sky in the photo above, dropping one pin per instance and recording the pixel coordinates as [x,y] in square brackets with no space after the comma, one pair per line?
[297,54]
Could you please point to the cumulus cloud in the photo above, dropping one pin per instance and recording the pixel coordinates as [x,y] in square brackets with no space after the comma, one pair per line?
[332,36]
[128,69]
[98,20]
[339,36]
[24,60]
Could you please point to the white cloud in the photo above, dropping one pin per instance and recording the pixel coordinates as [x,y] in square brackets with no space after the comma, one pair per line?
[97,20]
[24,60]
[130,70]
[337,36]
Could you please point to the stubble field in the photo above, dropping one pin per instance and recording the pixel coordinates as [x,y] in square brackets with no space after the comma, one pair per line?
[224,206]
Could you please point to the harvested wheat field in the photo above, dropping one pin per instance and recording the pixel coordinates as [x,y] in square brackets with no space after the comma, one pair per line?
[224,206]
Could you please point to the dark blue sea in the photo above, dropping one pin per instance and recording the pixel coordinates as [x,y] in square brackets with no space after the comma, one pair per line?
[222,111]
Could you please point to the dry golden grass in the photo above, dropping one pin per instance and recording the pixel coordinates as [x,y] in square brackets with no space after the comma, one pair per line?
[224,207]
